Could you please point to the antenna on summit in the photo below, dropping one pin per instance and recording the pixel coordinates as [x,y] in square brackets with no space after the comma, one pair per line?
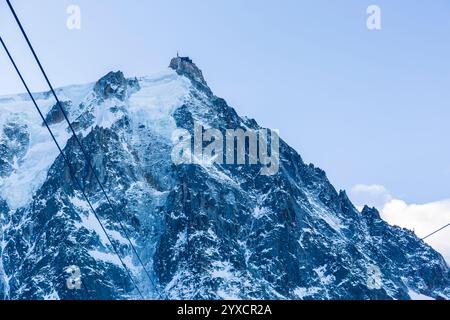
[178,54]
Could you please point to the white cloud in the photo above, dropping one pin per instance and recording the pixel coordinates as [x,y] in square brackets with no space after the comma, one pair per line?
[374,195]
[421,218]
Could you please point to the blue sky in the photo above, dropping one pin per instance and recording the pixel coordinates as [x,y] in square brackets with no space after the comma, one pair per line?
[369,107]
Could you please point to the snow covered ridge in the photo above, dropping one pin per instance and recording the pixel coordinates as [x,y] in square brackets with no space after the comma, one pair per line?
[88,106]
[27,149]
[204,230]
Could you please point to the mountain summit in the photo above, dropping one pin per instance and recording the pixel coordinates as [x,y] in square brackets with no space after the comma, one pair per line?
[184,66]
[203,231]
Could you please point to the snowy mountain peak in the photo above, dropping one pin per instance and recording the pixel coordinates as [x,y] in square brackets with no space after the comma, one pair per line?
[186,67]
[205,230]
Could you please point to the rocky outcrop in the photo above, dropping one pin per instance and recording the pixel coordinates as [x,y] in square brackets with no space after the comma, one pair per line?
[14,141]
[114,84]
[185,67]
[56,115]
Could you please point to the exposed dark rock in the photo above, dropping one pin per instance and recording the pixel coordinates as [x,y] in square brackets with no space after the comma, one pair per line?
[185,67]
[56,115]
[115,85]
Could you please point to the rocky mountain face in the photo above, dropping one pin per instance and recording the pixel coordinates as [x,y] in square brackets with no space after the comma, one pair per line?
[203,231]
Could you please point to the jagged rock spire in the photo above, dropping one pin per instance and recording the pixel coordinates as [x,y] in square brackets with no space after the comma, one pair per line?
[186,67]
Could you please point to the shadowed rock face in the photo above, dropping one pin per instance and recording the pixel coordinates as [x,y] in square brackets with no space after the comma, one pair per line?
[203,231]
[114,84]
[55,115]
[14,141]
